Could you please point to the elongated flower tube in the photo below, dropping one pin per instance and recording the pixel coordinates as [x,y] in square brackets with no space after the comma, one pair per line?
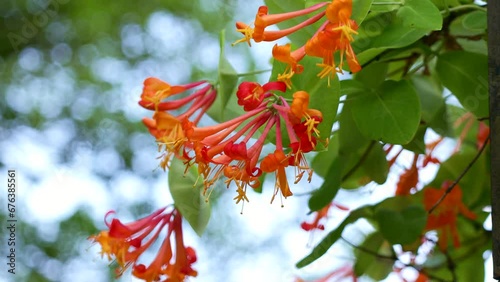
[264,20]
[126,243]
[334,35]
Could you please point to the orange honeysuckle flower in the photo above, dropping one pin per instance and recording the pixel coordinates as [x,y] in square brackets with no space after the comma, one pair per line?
[155,90]
[127,242]
[408,180]
[251,94]
[167,128]
[277,162]
[263,20]
[283,54]
[444,217]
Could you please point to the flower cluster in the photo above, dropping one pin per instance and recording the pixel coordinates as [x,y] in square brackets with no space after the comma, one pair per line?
[232,149]
[125,243]
[335,34]
[444,218]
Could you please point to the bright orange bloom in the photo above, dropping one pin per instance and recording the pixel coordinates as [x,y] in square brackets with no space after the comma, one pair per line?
[263,20]
[167,128]
[277,162]
[127,242]
[283,54]
[335,35]
[408,180]
[444,217]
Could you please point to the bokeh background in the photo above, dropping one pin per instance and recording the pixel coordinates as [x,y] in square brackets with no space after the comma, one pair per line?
[71,74]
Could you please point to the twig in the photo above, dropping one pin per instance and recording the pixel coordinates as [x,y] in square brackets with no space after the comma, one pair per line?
[448,190]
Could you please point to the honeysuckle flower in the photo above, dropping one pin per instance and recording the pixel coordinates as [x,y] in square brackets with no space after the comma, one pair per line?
[126,243]
[335,34]
[164,126]
[408,180]
[283,54]
[263,20]
[444,216]
[232,149]
[251,94]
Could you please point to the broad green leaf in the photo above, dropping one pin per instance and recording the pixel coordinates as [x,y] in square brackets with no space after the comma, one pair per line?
[420,14]
[360,9]
[385,6]
[390,113]
[430,96]
[400,220]
[331,185]
[187,190]
[476,20]
[333,236]
[372,75]
[417,145]
[375,165]
[465,74]
[367,263]
[470,24]
[351,87]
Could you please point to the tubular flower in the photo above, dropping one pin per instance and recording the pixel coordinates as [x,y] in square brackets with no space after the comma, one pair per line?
[277,162]
[283,54]
[251,94]
[263,20]
[164,126]
[444,217]
[335,35]
[127,242]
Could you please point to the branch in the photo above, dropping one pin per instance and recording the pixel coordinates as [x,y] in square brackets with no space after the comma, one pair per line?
[448,190]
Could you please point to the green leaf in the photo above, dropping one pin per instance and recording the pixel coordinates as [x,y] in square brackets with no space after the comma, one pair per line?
[187,192]
[372,75]
[368,263]
[400,220]
[390,113]
[421,14]
[430,96]
[381,6]
[375,165]
[360,10]
[465,74]
[417,145]
[228,77]
[325,194]
[476,20]
[334,235]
